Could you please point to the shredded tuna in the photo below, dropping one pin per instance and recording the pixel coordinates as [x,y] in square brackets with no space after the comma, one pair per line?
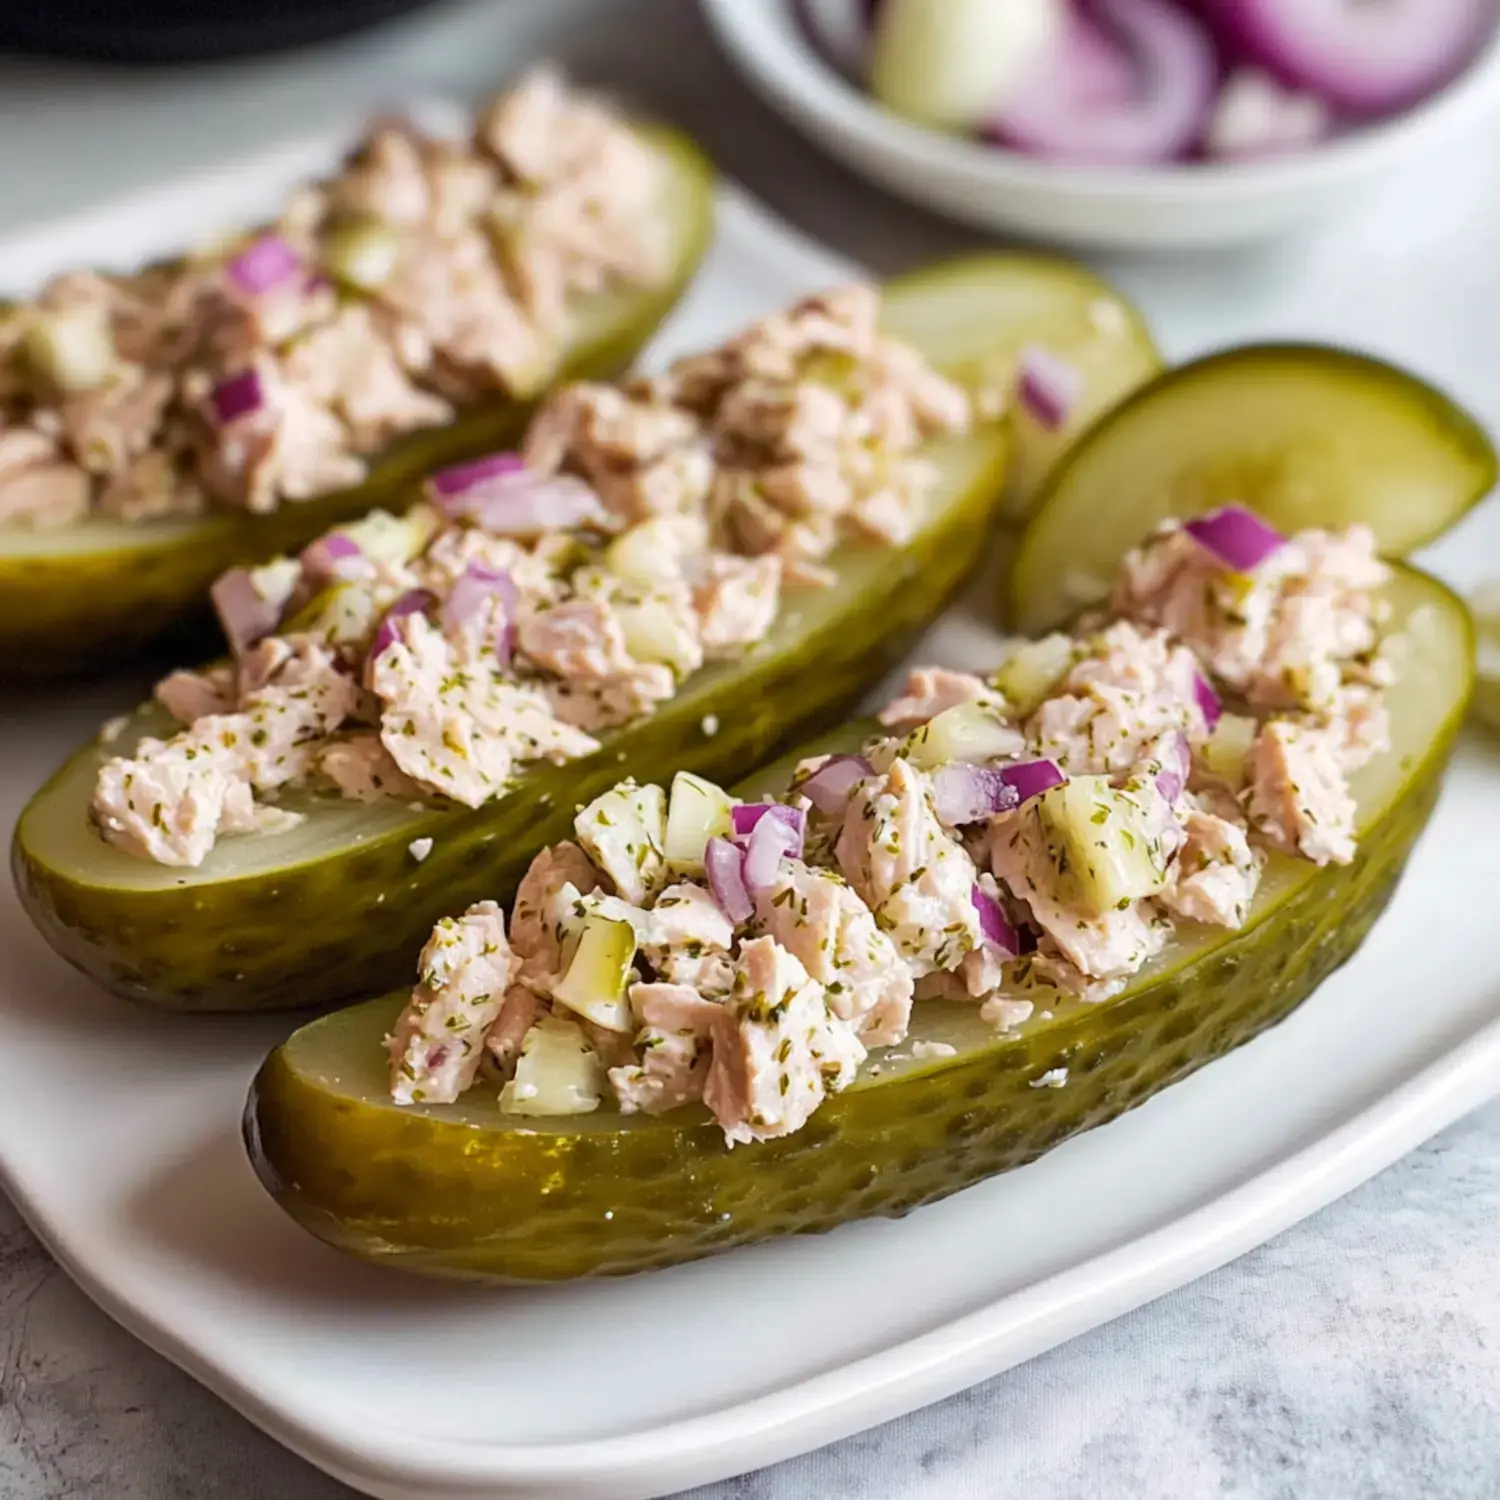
[502,1042]
[536,920]
[822,923]
[459,730]
[778,1053]
[188,696]
[912,874]
[689,940]
[362,769]
[438,1041]
[1298,796]
[1216,873]
[675,1043]
[930,691]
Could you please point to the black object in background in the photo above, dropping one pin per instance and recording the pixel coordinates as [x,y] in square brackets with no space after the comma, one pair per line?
[182,30]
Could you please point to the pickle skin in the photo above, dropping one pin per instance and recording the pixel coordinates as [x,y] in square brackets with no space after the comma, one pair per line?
[65,614]
[430,1191]
[347,926]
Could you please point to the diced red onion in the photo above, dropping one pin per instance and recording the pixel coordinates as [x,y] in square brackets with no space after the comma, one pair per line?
[771,838]
[994,927]
[724,863]
[1030,778]
[832,784]
[412,602]
[1129,83]
[517,503]
[1172,779]
[1209,704]
[264,264]
[459,479]
[1364,59]
[335,557]
[238,396]
[245,615]
[1049,387]
[963,794]
[746,818]
[473,588]
[1236,536]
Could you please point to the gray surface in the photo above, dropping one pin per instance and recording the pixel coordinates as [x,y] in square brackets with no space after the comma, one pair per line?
[1355,1358]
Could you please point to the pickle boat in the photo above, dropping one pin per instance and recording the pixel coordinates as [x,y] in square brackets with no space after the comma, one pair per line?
[334,909]
[77,598]
[462,1189]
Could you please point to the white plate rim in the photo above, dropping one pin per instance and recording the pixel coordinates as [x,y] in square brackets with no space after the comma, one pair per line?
[908,1375]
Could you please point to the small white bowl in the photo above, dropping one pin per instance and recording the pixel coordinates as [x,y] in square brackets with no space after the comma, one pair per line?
[1177,207]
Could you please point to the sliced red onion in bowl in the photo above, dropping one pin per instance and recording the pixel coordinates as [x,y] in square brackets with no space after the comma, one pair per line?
[334,558]
[994,926]
[1236,536]
[1049,386]
[830,787]
[724,862]
[1208,701]
[475,586]
[245,615]
[1364,57]
[412,602]
[963,794]
[265,264]
[1129,83]
[238,396]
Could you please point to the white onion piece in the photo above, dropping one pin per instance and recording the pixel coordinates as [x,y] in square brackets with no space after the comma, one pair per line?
[947,63]
[1364,57]
[1128,83]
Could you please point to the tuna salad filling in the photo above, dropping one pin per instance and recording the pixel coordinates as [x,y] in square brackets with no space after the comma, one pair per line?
[538,598]
[1013,842]
[426,273]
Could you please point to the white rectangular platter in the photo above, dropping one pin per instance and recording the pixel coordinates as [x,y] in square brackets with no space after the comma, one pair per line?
[119,1131]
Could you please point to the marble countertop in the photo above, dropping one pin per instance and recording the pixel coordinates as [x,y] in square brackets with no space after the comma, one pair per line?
[1357,1357]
